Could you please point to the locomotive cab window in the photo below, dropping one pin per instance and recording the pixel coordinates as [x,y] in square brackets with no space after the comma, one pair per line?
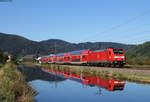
[118,51]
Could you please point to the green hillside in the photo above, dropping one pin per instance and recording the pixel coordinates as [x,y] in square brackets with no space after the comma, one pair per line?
[139,54]
[57,46]
[18,45]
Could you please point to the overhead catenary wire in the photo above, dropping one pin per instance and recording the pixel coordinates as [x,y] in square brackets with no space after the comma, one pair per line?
[105,32]
[136,36]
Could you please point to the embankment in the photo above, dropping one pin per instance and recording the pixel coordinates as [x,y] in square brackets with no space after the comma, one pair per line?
[13,86]
[135,75]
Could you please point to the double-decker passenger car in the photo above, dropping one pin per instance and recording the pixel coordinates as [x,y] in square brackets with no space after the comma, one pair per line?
[107,57]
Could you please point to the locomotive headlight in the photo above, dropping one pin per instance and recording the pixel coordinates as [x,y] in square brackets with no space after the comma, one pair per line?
[119,57]
[116,82]
[116,57]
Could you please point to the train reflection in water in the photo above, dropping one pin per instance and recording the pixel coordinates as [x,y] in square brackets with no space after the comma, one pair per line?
[109,84]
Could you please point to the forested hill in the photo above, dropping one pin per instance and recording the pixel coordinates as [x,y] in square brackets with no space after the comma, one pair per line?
[139,54]
[63,46]
[18,45]
[15,45]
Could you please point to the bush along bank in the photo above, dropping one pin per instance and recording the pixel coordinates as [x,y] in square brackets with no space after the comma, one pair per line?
[100,73]
[13,87]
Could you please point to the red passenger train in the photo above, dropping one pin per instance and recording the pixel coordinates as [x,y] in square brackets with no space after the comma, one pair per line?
[108,57]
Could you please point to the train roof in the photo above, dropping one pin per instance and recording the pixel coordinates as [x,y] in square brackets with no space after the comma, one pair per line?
[72,52]
[51,55]
[77,52]
[100,50]
[60,54]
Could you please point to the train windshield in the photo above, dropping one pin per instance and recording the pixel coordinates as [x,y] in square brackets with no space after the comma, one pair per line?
[118,51]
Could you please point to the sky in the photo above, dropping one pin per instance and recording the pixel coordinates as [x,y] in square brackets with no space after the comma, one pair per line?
[122,21]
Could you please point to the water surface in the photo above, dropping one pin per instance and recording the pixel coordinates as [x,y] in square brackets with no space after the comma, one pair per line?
[55,87]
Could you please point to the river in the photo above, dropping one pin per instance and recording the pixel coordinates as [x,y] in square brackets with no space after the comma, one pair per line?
[59,86]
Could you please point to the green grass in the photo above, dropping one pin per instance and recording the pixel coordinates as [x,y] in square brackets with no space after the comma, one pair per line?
[1,65]
[13,87]
[137,66]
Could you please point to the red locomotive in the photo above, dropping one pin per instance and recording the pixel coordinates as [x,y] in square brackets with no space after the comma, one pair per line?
[108,57]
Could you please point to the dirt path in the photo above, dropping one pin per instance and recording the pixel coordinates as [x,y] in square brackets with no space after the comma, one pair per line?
[132,71]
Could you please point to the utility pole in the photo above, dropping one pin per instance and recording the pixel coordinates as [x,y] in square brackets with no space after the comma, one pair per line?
[55,47]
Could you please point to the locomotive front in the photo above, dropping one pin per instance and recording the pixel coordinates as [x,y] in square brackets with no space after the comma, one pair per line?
[117,57]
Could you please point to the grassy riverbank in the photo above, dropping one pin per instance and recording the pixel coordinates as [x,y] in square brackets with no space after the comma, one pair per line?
[100,73]
[85,71]
[13,87]
[138,66]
